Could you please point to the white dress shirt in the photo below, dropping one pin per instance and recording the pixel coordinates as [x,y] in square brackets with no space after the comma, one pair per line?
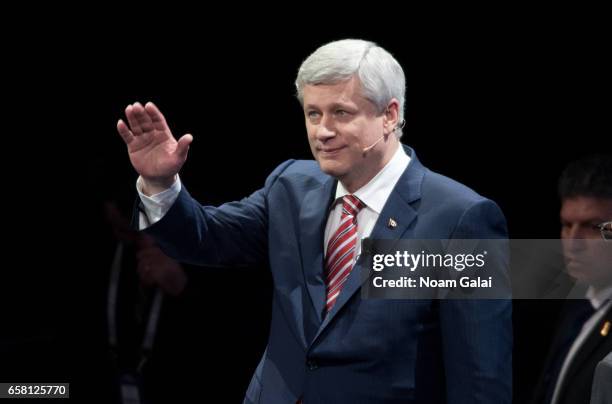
[156,206]
[374,195]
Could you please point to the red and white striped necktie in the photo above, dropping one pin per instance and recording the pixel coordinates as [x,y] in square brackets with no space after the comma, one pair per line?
[341,249]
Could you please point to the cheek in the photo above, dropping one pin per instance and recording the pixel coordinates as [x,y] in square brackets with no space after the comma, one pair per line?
[311,132]
[352,137]
[366,133]
[310,136]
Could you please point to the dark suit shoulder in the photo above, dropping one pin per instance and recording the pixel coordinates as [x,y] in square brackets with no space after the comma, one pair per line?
[449,191]
[308,168]
[302,171]
[466,213]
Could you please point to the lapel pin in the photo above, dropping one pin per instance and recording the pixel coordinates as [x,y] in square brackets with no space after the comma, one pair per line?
[605,329]
[392,223]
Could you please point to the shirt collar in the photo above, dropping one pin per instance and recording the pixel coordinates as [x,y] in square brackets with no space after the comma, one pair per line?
[375,193]
[600,297]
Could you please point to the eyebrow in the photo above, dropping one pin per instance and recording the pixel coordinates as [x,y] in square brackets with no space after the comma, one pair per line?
[586,222]
[332,106]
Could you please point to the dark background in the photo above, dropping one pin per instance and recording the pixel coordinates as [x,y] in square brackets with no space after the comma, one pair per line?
[500,104]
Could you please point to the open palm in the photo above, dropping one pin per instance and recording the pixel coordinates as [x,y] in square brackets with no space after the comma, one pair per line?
[154,152]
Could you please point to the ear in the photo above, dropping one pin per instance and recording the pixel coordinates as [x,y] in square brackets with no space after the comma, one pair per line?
[391,116]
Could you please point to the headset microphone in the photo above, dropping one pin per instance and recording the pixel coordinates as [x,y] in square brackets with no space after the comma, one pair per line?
[365,149]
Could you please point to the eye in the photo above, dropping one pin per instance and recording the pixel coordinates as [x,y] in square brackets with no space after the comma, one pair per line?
[341,112]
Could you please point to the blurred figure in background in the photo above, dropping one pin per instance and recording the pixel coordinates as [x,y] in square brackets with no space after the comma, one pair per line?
[161,317]
[583,336]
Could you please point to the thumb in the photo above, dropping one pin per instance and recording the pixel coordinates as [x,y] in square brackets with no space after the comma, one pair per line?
[183,146]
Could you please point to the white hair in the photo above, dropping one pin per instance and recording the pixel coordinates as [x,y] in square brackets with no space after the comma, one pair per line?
[380,75]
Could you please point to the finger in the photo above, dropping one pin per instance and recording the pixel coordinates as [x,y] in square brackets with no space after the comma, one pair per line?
[183,146]
[159,122]
[131,117]
[142,117]
[125,132]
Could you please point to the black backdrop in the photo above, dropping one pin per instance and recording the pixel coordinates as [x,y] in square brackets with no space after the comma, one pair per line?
[499,107]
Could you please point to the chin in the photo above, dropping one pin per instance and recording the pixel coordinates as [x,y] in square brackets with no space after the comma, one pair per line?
[580,273]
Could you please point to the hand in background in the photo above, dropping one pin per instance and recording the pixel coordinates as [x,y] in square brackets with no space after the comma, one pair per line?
[157,269]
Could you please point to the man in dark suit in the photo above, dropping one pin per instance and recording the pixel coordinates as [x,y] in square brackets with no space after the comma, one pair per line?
[326,343]
[583,337]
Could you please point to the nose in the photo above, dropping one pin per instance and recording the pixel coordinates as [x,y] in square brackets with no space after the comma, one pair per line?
[324,131]
[574,238]
[570,231]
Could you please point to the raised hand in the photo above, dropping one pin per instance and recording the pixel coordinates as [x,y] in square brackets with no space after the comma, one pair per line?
[154,152]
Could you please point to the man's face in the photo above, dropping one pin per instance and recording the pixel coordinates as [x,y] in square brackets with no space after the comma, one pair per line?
[340,123]
[587,256]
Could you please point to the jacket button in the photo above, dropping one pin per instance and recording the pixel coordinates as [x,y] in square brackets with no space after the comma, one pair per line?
[312,365]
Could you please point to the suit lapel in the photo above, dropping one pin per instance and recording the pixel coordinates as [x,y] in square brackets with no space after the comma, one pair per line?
[398,207]
[588,347]
[313,218]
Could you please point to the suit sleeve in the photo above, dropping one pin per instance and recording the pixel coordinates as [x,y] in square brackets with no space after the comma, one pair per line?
[477,334]
[233,234]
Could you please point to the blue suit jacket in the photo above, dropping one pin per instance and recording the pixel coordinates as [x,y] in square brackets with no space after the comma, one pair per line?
[364,350]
